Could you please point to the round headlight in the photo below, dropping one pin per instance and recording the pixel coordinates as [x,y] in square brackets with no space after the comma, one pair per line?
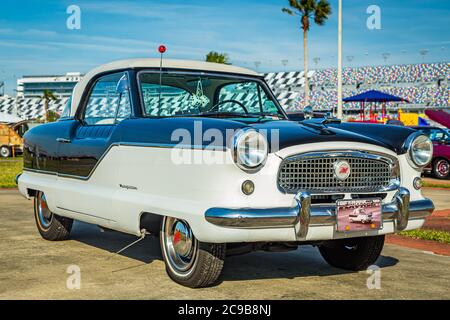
[250,150]
[421,151]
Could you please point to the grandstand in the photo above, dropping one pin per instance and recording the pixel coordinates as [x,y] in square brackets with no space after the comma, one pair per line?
[424,85]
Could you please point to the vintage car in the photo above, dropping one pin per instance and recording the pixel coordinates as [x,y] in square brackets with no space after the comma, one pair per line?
[11,139]
[439,167]
[360,215]
[203,156]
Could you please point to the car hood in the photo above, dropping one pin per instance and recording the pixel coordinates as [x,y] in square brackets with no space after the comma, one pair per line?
[290,133]
[296,133]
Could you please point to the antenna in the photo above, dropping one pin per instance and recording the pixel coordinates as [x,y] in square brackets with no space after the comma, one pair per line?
[162,49]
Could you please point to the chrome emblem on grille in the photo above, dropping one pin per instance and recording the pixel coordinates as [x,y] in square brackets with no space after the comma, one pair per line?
[342,170]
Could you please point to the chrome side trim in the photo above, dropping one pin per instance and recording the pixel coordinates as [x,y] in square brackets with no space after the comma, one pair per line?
[310,216]
[86,214]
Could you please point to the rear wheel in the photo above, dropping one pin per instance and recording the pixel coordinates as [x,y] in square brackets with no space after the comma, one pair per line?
[189,262]
[51,226]
[441,168]
[354,253]
[5,151]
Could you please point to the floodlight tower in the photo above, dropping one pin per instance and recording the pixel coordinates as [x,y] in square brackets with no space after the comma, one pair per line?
[339,73]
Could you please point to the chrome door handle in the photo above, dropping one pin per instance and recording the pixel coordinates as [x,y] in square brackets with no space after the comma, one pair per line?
[62,140]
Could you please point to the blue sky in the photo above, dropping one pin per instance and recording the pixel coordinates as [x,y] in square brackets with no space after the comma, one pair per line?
[34,38]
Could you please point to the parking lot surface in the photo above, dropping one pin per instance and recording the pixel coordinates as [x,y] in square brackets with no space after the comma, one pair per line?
[32,268]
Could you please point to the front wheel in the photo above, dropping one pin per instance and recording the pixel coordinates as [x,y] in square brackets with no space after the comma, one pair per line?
[189,262]
[441,168]
[353,253]
[51,226]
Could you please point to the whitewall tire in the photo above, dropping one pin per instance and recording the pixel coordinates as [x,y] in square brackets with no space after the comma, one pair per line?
[50,226]
[189,262]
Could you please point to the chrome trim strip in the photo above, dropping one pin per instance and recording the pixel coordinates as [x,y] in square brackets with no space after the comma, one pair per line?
[371,155]
[86,214]
[249,218]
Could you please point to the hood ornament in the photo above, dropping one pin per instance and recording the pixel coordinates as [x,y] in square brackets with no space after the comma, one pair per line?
[320,121]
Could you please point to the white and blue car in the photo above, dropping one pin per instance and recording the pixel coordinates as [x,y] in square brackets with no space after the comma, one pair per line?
[204,156]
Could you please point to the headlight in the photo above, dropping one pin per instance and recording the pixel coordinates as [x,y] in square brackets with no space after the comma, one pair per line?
[249,150]
[420,150]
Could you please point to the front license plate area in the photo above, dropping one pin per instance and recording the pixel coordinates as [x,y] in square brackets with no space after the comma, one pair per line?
[358,215]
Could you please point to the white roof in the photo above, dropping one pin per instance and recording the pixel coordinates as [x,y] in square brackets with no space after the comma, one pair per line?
[153,63]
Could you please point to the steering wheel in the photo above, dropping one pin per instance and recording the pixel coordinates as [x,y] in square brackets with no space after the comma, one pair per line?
[216,106]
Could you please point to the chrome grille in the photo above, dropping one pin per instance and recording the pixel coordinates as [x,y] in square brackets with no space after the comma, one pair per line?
[315,173]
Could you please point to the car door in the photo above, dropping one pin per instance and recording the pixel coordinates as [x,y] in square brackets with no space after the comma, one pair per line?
[86,184]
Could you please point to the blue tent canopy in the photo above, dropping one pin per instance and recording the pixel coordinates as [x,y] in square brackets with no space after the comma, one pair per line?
[374,96]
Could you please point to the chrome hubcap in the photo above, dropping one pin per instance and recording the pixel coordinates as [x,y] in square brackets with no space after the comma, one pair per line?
[44,214]
[4,152]
[443,167]
[179,243]
[182,239]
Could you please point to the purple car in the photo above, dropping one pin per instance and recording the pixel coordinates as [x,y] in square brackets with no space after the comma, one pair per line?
[440,165]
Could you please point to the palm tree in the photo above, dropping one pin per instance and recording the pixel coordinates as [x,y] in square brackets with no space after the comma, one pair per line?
[217,57]
[306,10]
[47,96]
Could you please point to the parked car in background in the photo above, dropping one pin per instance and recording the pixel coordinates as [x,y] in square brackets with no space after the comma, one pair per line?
[440,165]
[11,142]
[203,156]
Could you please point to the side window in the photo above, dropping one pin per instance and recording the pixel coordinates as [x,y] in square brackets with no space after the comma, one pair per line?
[109,101]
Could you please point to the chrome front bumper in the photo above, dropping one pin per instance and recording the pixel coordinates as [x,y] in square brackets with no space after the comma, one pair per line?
[400,210]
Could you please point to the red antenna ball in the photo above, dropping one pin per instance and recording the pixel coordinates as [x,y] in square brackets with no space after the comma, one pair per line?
[162,49]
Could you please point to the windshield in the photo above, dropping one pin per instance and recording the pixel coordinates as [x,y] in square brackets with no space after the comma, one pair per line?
[206,95]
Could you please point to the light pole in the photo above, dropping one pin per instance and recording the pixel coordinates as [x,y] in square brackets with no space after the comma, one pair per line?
[339,73]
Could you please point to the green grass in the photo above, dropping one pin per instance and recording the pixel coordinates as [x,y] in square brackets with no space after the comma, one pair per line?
[434,235]
[436,185]
[9,168]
